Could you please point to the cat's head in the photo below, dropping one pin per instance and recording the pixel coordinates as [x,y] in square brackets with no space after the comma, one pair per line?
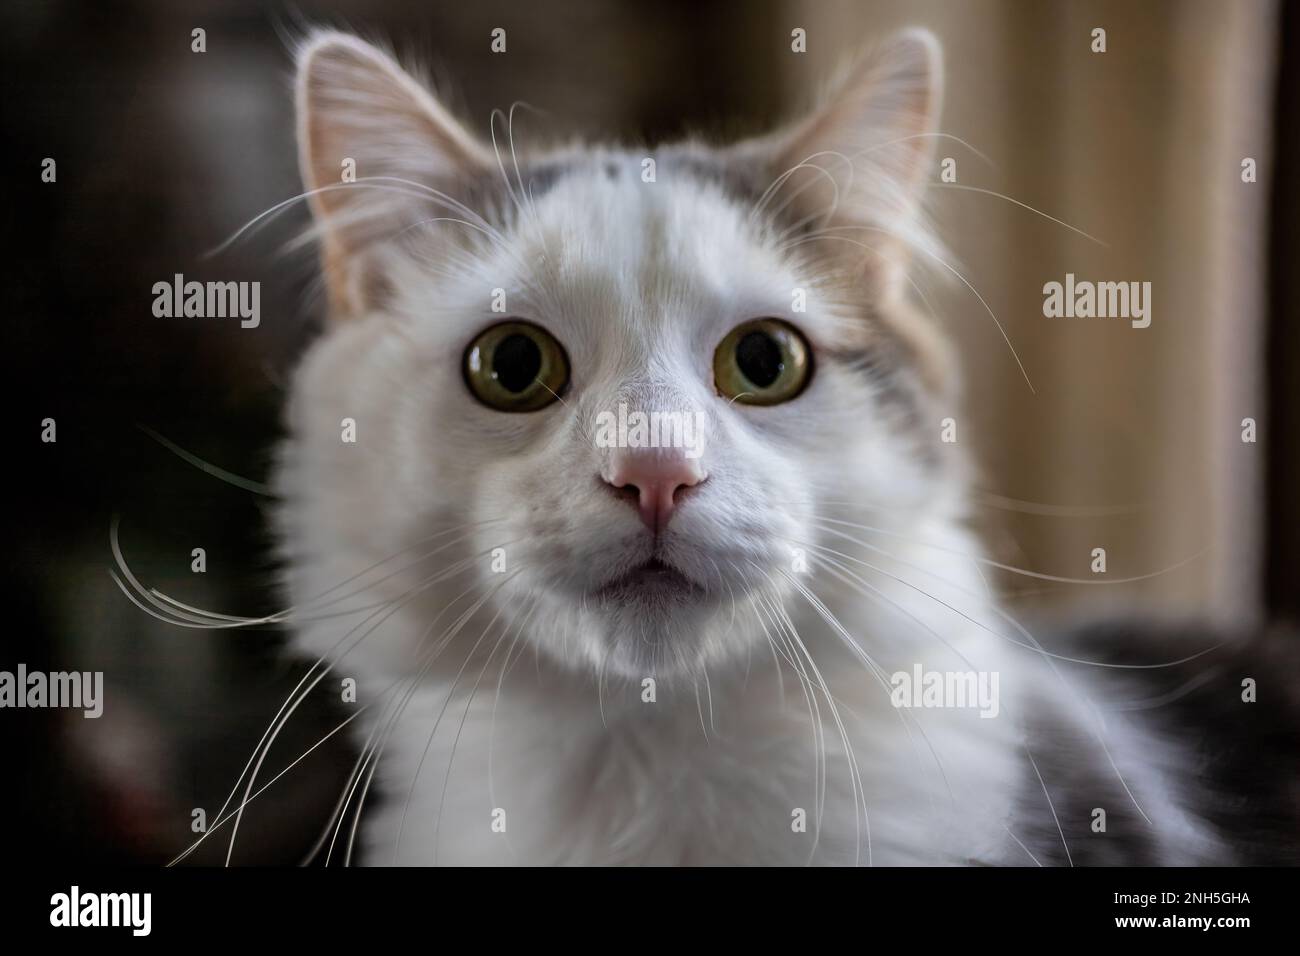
[632,385]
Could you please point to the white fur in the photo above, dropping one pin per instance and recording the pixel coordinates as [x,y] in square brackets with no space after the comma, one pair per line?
[532,704]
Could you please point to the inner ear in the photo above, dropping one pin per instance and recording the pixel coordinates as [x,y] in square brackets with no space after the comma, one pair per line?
[373,145]
[861,157]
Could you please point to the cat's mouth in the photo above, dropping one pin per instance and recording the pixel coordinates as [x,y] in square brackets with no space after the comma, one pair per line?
[652,581]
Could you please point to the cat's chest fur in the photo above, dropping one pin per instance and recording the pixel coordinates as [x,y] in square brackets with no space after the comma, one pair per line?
[553,769]
[794,754]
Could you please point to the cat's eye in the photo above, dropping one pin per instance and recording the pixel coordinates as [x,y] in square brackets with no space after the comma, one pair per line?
[762,362]
[516,367]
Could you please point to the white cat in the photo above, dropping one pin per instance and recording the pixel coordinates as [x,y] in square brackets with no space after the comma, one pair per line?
[574,653]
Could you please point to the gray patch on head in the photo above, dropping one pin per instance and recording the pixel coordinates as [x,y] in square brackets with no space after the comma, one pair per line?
[740,179]
[747,179]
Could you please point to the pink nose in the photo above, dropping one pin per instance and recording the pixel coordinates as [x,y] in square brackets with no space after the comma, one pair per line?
[653,478]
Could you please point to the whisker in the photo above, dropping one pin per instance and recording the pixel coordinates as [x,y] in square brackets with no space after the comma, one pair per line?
[223,820]
[1022,205]
[422,191]
[1057,511]
[1021,845]
[256,487]
[1023,571]
[1034,646]
[220,621]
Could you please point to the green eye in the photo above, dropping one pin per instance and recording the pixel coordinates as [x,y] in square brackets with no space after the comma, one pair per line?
[516,367]
[762,362]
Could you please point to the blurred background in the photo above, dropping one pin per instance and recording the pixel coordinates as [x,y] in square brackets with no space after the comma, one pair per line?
[1130,439]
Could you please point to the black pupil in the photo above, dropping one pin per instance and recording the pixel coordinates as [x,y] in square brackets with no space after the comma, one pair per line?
[759,356]
[516,361]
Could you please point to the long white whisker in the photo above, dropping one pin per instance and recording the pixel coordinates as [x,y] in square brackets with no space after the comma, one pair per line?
[1021,571]
[1023,205]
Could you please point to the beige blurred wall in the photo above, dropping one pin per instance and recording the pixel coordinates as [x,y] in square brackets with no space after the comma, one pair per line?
[1141,147]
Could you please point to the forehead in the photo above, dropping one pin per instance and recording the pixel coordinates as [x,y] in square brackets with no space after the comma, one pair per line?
[611,236]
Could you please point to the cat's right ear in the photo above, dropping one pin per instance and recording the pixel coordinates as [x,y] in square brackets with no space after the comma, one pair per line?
[858,162]
[371,141]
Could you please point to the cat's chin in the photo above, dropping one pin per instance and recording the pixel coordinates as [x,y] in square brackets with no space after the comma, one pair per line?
[651,619]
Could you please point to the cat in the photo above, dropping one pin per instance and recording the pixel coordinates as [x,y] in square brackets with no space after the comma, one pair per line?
[576,648]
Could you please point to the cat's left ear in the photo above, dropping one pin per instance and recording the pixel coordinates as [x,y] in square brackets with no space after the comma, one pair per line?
[861,158]
[371,140]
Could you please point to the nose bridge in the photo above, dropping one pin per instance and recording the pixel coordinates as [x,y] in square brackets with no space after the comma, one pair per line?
[653,393]
[650,414]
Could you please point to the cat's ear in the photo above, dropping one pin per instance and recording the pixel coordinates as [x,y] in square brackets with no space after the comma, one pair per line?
[862,156]
[371,141]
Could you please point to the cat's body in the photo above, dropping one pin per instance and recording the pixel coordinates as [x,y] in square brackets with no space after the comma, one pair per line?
[544,679]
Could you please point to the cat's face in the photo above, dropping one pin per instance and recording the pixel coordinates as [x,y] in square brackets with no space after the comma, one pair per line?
[498,367]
